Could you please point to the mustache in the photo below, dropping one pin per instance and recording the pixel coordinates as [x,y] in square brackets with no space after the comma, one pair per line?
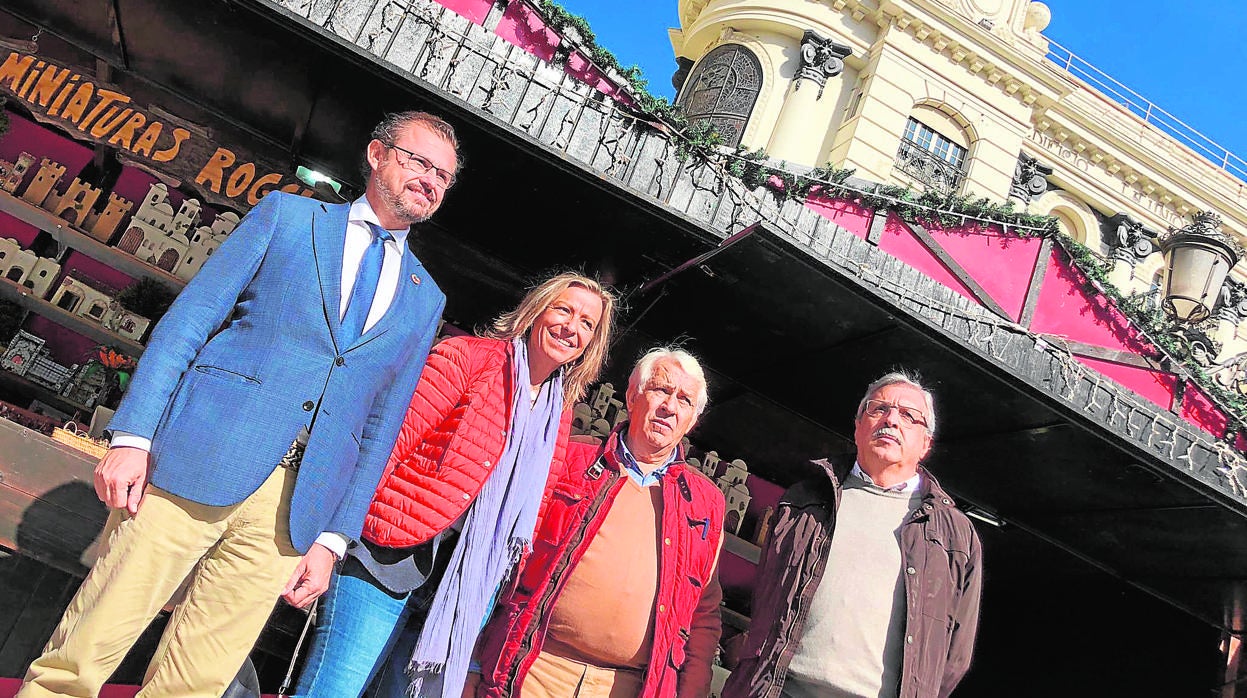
[886,431]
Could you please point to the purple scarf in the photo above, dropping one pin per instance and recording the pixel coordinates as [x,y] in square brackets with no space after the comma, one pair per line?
[496,533]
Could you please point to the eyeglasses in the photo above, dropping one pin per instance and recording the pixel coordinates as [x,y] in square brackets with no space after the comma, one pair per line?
[418,164]
[878,409]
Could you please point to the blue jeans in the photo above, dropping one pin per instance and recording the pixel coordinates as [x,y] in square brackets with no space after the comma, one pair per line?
[361,625]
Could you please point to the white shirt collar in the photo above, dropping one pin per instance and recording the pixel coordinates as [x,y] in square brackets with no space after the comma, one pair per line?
[361,212]
[910,485]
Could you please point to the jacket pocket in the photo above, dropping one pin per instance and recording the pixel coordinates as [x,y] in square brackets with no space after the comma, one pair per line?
[676,656]
[227,374]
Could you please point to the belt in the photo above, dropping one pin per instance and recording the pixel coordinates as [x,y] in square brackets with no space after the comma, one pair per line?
[293,457]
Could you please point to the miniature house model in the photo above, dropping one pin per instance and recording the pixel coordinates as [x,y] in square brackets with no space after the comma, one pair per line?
[600,415]
[174,241]
[12,173]
[157,234]
[82,299]
[27,269]
[732,484]
[204,242]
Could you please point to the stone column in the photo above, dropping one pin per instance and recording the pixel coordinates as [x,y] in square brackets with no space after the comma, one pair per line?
[1129,243]
[821,58]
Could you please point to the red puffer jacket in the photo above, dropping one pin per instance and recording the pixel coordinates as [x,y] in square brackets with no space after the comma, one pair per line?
[454,431]
[686,615]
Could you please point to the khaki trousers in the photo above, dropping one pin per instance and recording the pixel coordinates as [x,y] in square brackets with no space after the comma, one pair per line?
[552,676]
[238,557]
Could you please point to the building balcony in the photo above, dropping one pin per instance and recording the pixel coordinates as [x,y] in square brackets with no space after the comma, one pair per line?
[928,169]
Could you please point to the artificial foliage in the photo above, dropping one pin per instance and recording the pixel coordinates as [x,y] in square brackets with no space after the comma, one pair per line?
[947,210]
[146,297]
[4,117]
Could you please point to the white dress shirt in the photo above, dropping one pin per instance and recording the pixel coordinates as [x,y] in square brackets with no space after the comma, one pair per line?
[358,236]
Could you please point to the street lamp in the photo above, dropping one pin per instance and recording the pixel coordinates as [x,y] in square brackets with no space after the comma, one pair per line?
[1197,259]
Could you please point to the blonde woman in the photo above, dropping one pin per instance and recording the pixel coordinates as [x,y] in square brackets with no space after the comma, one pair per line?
[486,428]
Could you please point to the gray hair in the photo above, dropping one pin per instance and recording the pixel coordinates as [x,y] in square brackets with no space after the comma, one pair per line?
[644,369]
[900,377]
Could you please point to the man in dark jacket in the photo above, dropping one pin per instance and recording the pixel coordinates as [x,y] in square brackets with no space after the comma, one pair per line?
[869,584]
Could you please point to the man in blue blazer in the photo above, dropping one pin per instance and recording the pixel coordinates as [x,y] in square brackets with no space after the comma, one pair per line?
[258,423]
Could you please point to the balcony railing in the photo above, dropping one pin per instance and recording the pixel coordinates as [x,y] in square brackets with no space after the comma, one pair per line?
[928,169]
[1151,114]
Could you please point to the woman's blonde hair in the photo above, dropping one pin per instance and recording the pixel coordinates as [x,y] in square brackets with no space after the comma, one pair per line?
[582,372]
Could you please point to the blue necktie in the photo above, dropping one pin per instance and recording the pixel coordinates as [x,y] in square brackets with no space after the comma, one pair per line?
[365,288]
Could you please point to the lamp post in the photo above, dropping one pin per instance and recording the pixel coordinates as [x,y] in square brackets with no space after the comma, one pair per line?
[1197,259]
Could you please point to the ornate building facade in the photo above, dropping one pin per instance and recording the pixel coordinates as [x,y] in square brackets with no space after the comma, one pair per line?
[967,97]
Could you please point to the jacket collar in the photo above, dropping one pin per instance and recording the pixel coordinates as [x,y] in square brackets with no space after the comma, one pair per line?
[610,451]
[929,488]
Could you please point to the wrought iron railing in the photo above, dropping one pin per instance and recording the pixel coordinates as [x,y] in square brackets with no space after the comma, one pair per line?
[1150,113]
[929,169]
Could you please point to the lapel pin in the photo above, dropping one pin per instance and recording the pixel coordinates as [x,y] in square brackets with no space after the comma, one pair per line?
[415,279]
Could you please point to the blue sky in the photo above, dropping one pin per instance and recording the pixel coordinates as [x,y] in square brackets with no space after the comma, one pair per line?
[1186,57]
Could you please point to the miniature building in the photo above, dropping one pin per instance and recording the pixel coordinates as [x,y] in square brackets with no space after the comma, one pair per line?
[600,415]
[205,241]
[12,173]
[48,372]
[85,386]
[161,237]
[75,203]
[83,300]
[21,353]
[102,226]
[25,268]
[126,323]
[732,484]
[50,172]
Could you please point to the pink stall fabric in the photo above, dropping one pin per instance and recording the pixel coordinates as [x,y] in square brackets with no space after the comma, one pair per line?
[1199,410]
[521,26]
[27,136]
[473,10]
[23,233]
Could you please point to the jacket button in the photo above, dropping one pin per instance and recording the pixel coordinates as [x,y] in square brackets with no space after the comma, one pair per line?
[910,570]
[486,464]
[309,406]
[666,541]
[662,608]
[909,639]
[466,496]
[339,361]
[945,501]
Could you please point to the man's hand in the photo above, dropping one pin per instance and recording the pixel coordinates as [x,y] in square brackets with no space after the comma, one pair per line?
[311,577]
[121,476]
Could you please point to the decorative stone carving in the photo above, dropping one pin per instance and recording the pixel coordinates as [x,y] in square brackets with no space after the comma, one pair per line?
[821,58]
[683,67]
[1232,306]
[1129,240]
[1029,179]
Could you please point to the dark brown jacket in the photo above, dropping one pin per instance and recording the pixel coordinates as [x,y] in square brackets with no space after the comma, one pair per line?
[943,560]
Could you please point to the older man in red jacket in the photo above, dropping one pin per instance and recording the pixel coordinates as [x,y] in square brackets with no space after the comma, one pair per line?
[621,594]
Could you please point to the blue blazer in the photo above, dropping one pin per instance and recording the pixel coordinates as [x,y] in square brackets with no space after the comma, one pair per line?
[251,352]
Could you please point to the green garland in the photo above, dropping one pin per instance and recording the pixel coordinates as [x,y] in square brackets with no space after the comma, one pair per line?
[699,137]
[4,117]
[948,210]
